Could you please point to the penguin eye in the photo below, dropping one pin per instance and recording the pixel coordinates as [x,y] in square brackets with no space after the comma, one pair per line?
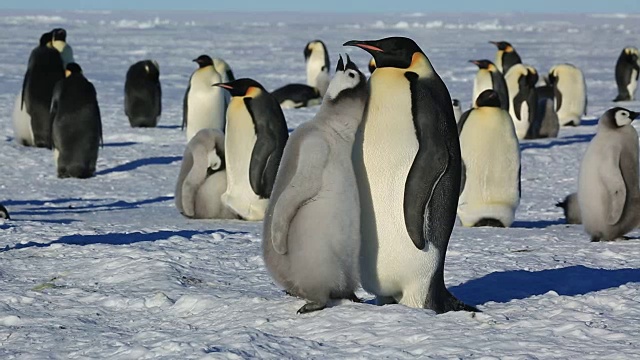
[625,114]
[352,75]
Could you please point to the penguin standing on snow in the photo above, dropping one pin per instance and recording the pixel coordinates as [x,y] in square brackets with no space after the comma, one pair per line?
[489,77]
[223,68]
[43,72]
[77,128]
[545,123]
[142,94]
[608,190]
[59,42]
[204,105]
[256,134]
[506,56]
[522,95]
[570,91]
[627,71]
[490,186]
[407,162]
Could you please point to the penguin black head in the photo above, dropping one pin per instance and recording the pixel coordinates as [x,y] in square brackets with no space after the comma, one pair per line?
[488,98]
[59,34]
[348,81]
[310,47]
[241,87]
[618,117]
[46,38]
[484,64]
[631,54]
[455,102]
[502,45]
[204,61]
[72,69]
[389,52]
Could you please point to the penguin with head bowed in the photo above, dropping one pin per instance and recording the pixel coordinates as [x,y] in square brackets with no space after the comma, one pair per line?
[608,189]
[143,94]
[203,178]
[571,209]
[506,56]
[407,163]
[311,239]
[256,134]
[489,77]
[76,125]
[521,81]
[59,42]
[627,72]
[295,96]
[45,69]
[204,105]
[490,185]
[570,93]
[223,68]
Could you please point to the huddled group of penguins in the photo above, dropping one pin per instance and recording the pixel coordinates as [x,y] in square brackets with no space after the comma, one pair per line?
[368,191]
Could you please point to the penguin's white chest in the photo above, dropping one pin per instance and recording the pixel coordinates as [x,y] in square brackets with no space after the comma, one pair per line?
[633,83]
[314,67]
[205,103]
[481,83]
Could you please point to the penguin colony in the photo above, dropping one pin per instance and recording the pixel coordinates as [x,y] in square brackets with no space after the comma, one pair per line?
[352,198]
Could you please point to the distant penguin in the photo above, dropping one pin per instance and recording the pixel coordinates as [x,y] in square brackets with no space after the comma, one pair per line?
[523,97]
[408,173]
[627,71]
[256,134]
[143,94]
[59,42]
[608,189]
[570,91]
[571,209]
[203,178]
[204,104]
[76,125]
[506,56]
[372,65]
[4,213]
[545,123]
[490,185]
[311,237]
[457,109]
[489,77]
[45,69]
[223,68]
[293,96]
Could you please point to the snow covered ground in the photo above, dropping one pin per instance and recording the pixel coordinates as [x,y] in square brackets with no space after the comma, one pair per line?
[107,268]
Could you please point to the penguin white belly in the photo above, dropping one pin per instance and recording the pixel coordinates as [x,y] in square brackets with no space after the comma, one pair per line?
[240,139]
[633,83]
[481,83]
[522,125]
[592,194]
[22,123]
[314,67]
[491,155]
[206,108]
[386,145]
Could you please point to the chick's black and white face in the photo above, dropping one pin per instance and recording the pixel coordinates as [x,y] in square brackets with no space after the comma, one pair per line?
[346,78]
[624,117]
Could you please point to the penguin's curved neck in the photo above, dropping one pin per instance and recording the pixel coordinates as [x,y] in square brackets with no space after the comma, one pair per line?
[343,121]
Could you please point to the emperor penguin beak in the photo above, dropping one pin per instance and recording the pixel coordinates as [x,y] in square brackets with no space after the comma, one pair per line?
[634,115]
[474,61]
[223,85]
[363,45]
[494,43]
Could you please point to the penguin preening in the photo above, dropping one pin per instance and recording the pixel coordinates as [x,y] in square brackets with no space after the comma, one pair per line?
[59,42]
[311,236]
[570,93]
[256,134]
[45,69]
[490,185]
[76,126]
[317,64]
[143,94]
[608,189]
[407,163]
[204,105]
[521,82]
[627,71]
[506,56]
[489,77]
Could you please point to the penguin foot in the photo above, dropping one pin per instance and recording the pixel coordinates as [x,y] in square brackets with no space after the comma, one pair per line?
[351,297]
[595,239]
[489,222]
[311,307]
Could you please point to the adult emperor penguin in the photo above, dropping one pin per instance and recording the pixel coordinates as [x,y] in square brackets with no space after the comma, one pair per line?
[608,191]
[523,97]
[204,104]
[570,92]
[311,239]
[143,94]
[571,209]
[203,178]
[545,123]
[627,71]
[43,72]
[490,185]
[295,96]
[489,77]
[76,125]
[256,134]
[407,163]
[59,42]
[506,56]
[223,68]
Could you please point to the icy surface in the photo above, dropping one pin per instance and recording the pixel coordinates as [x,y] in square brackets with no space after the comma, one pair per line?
[107,268]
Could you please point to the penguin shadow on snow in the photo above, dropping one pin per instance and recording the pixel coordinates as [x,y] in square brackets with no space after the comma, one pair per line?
[120,144]
[95,206]
[537,224]
[134,164]
[121,238]
[502,287]
[568,140]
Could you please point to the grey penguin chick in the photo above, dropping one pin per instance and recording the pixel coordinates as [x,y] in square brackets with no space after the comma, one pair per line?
[311,237]
[571,209]
[608,191]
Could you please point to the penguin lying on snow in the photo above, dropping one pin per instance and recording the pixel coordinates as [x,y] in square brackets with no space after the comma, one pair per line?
[311,239]
[143,94]
[627,72]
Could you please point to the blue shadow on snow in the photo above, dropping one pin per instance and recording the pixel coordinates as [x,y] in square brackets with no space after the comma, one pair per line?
[132,165]
[505,286]
[536,224]
[116,205]
[573,139]
[120,144]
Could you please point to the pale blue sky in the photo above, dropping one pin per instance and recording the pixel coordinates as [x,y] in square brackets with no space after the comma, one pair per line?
[549,6]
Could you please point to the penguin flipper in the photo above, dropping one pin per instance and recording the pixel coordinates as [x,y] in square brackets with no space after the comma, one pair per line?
[463,119]
[27,75]
[196,158]
[53,111]
[185,106]
[517,104]
[558,97]
[310,161]
[614,183]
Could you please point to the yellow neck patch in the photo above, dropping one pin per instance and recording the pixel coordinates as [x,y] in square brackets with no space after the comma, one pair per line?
[421,65]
